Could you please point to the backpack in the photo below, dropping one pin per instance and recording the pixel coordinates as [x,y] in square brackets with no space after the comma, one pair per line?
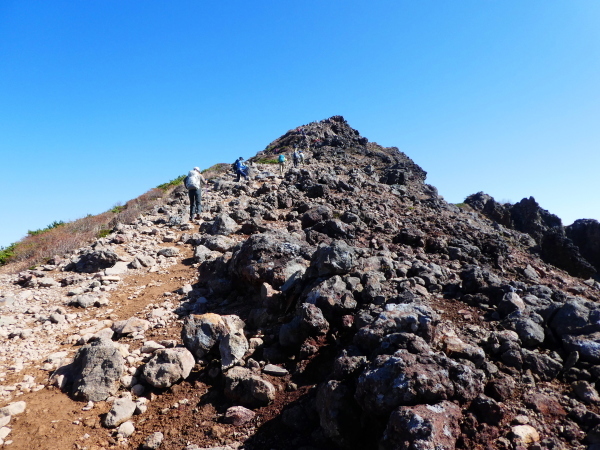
[191,183]
[282,158]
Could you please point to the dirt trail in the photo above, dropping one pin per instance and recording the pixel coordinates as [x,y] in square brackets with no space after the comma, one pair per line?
[48,422]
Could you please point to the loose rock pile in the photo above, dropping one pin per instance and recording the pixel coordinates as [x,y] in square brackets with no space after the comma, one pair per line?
[401,321]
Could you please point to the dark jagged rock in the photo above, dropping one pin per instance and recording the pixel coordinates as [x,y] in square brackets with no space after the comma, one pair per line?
[585,234]
[93,260]
[421,324]
[423,426]
[271,257]
[552,239]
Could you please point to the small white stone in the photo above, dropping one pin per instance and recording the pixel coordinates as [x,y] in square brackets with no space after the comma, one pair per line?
[126,429]
[525,434]
[13,409]
[88,407]
[4,431]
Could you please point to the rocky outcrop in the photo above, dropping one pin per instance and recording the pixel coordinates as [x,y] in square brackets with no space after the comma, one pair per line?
[342,305]
[553,241]
[585,234]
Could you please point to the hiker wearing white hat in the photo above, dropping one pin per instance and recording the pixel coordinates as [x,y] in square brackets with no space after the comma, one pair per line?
[193,182]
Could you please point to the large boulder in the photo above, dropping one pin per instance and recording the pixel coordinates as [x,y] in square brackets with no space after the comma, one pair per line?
[587,346]
[121,410]
[491,208]
[201,333]
[272,257]
[217,243]
[224,225]
[576,316]
[315,215]
[434,426]
[406,379]
[247,388]
[233,345]
[168,366]
[204,334]
[308,322]
[96,371]
[404,317]
[332,297]
[476,279]
[93,260]
[336,259]
[132,325]
[553,241]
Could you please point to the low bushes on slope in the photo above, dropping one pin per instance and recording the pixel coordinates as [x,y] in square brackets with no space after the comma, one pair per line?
[60,238]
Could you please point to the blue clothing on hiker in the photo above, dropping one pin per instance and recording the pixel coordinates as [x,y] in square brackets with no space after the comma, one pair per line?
[241,169]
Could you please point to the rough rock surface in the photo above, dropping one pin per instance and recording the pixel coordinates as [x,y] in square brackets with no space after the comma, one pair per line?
[168,366]
[344,304]
[96,371]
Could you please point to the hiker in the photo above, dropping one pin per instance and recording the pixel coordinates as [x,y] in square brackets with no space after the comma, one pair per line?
[296,157]
[281,161]
[193,183]
[301,156]
[240,169]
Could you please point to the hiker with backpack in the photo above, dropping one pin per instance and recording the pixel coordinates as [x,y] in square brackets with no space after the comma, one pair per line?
[296,157]
[193,183]
[281,161]
[301,157]
[240,169]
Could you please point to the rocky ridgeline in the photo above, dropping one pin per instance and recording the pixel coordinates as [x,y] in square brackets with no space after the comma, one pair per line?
[575,248]
[404,322]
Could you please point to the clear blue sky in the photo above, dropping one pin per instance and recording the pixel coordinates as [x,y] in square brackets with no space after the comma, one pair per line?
[103,100]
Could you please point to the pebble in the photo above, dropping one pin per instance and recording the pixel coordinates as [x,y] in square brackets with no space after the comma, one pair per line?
[88,407]
[126,429]
[272,369]
[153,441]
[525,434]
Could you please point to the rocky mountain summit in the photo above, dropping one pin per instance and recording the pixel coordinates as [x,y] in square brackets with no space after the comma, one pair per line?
[342,305]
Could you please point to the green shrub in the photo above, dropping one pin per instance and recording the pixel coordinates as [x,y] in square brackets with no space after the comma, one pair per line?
[6,253]
[61,238]
[104,232]
[118,208]
[172,183]
[267,161]
[54,224]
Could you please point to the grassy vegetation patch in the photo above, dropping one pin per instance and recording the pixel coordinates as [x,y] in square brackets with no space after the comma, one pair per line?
[62,238]
[6,253]
[104,232]
[267,161]
[174,182]
[118,208]
[53,225]
[216,170]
